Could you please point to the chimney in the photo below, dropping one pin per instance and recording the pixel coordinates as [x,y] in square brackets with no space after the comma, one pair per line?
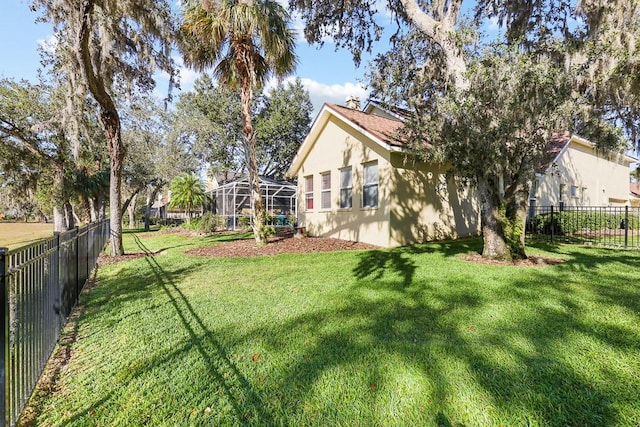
[353,102]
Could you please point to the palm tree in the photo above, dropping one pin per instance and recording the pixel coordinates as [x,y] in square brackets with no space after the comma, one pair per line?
[245,42]
[187,193]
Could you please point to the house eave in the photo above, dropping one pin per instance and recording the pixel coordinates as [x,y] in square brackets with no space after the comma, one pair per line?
[321,120]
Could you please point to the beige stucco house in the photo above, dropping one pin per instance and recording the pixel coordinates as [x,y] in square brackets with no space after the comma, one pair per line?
[356,182]
[580,175]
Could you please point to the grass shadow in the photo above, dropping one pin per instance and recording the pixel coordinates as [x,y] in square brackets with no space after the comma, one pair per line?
[246,403]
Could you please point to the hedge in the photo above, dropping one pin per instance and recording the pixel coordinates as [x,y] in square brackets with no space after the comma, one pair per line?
[570,222]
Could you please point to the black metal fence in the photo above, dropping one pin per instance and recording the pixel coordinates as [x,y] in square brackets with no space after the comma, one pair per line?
[39,285]
[616,226]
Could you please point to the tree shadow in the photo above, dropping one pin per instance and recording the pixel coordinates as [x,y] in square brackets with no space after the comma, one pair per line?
[246,403]
[517,358]
[502,344]
[227,385]
[376,263]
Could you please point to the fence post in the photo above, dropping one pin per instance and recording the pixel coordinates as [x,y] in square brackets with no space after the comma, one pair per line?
[626,227]
[58,281]
[553,225]
[77,246]
[4,351]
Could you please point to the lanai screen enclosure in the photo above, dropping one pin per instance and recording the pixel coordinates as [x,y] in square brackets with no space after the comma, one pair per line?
[232,201]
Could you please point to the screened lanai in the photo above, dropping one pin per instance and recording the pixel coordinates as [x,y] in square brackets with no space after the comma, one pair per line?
[232,201]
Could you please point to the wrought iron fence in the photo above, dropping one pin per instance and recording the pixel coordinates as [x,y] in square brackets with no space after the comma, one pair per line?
[39,285]
[616,226]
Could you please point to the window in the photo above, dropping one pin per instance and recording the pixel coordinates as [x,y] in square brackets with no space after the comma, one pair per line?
[573,191]
[308,192]
[370,186]
[346,188]
[561,198]
[325,195]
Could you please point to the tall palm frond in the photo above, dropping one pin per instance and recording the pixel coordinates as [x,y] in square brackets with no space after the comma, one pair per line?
[244,42]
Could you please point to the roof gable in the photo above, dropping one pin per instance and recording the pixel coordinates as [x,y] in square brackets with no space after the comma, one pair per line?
[381,130]
[559,144]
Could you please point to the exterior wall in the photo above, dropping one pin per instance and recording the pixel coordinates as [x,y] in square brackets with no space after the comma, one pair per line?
[428,206]
[339,146]
[597,181]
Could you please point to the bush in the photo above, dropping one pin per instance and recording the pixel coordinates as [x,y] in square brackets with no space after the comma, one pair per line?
[245,223]
[570,222]
[209,222]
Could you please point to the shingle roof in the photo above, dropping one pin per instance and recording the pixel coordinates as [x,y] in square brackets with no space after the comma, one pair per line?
[557,144]
[381,127]
[387,129]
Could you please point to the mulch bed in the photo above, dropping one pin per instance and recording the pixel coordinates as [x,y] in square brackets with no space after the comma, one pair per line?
[286,243]
[278,245]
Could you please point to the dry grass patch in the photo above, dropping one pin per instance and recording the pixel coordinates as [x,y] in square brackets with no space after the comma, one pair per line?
[14,234]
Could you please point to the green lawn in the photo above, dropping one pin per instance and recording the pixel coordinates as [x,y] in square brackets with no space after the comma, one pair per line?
[413,336]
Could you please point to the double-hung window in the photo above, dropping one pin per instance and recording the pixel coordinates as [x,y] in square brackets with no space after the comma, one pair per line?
[308,192]
[346,188]
[370,186]
[325,191]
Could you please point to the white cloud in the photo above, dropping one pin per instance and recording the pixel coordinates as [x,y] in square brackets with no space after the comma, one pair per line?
[48,44]
[321,92]
[187,75]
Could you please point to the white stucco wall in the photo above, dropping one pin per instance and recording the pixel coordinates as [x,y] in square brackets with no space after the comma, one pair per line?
[598,180]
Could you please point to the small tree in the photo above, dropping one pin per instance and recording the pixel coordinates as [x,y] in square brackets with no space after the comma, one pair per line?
[187,192]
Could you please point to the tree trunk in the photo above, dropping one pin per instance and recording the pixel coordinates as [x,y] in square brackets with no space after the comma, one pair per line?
[76,218]
[68,214]
[110,121]
[93,209]
[59,223]
[102,212]
[150,201]
[116,151]
[517,203]
[495,244]
[257,206]
[443,34]
[131,211]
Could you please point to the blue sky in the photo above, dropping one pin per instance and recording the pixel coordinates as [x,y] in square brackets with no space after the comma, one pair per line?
[329,76]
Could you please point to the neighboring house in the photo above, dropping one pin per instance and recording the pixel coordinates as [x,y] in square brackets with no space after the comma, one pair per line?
[357,182]
[634,189]
[580,175]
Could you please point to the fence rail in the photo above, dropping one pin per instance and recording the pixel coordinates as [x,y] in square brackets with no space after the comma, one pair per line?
[616,226]
[39,285]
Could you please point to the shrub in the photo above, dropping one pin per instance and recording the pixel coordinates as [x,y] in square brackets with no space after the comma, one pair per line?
[209,222]
[244,222]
